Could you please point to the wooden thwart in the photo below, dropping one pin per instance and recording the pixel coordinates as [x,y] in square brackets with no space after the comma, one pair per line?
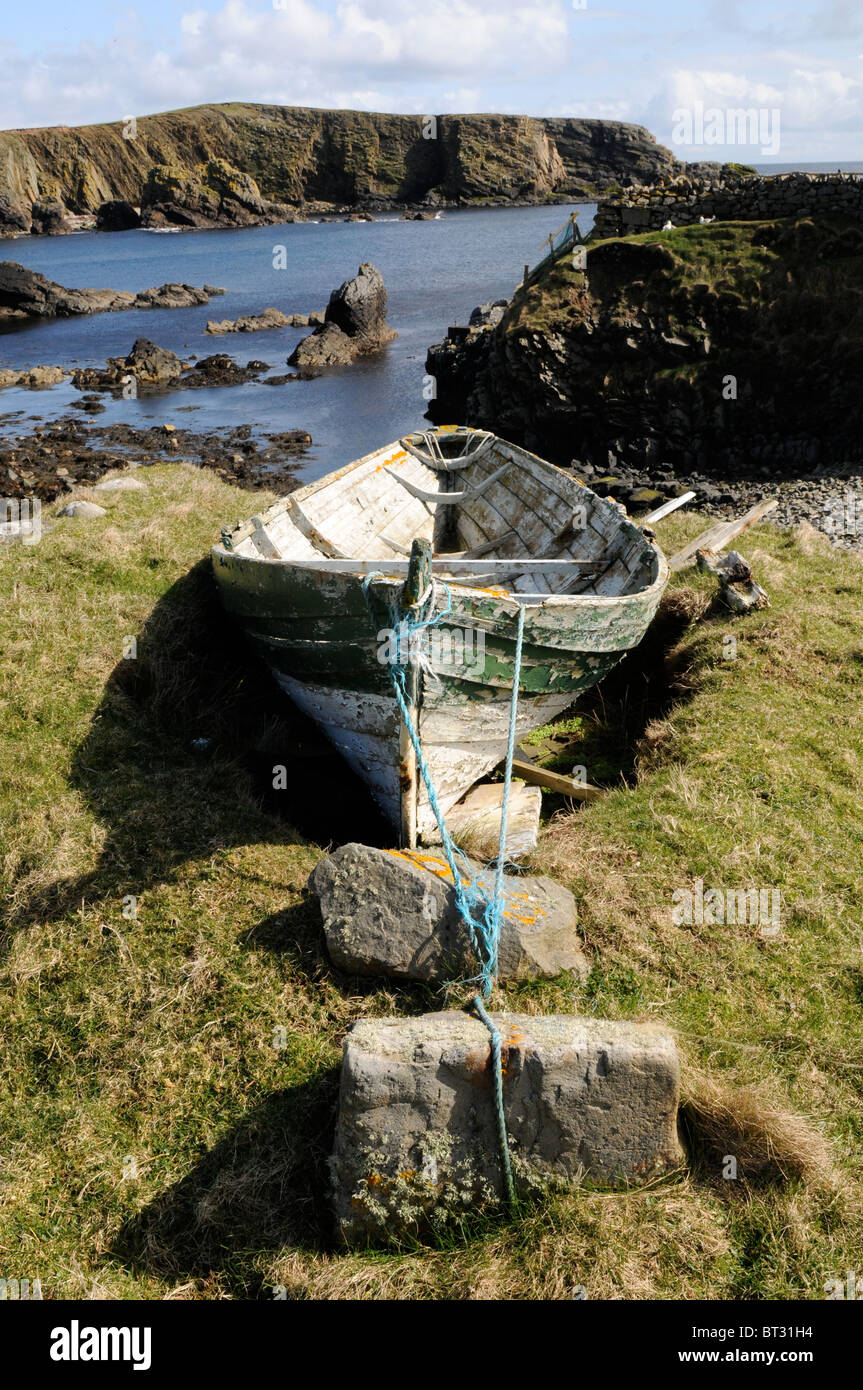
[450,499]
[718,536]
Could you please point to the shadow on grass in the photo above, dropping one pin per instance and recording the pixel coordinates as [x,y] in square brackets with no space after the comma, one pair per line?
[180,756]
[617,719]
[261,1188]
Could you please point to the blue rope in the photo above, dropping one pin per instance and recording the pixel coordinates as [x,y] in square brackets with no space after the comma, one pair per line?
[481,916]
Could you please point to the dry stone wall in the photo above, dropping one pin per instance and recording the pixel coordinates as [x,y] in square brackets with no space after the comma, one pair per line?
[730,198]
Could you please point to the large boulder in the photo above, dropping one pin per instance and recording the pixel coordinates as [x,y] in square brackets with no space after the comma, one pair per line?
[355,324]
[48,217]
[388,912]
[117,216]
[416,1141]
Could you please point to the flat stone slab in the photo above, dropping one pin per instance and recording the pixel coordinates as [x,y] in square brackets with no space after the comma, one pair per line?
[392,912]
[416,1141]
[123,484]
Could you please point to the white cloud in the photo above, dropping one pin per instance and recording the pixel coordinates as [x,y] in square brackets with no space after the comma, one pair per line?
[533,56]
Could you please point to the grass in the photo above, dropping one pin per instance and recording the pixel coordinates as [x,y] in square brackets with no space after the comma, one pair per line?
[170,1066]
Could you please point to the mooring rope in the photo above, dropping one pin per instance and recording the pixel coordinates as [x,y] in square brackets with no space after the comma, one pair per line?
[481,916]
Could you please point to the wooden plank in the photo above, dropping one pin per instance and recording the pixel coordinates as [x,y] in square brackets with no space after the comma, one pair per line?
[666,509]
[718,536]
[555,781]
[474,822]
[444,565]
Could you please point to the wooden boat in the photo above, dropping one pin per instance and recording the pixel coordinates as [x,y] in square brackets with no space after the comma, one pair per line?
[506,529]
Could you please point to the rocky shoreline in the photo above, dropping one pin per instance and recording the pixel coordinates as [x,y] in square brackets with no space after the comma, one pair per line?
[831,500]
[55,458]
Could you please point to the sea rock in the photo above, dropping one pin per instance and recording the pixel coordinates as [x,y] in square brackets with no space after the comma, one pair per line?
[33,378]
[50,218]
[248,323]
[149,362]
[416,1141]
[24,293]
[117,216]
[354,325]
[388,912]
[82,508]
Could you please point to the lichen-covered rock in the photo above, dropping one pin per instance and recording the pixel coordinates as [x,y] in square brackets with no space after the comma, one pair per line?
[82,508]
[392,912]
[31,378]
[416,1141]
[213,194]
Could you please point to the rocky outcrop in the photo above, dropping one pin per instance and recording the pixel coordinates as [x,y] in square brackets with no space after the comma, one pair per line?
[226,164]
[156,369]
[212,195]
[355,324]
[248,323]
[416,1141]
[732,348]
[24,294]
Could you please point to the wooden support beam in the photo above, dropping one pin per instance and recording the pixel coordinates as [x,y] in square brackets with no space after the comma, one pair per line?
[555,781]
[721,533]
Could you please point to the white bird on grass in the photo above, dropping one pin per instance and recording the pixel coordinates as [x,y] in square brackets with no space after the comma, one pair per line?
[668,226]
[705,220]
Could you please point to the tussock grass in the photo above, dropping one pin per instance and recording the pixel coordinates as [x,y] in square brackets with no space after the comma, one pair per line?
[168,1080]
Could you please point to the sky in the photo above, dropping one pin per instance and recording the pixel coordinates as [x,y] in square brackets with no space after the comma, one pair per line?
[676,66]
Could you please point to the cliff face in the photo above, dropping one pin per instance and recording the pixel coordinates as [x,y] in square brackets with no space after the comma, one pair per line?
[297,154]
[721,346]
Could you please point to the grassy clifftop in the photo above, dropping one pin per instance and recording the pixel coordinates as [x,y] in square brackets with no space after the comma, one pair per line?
[719,344]
[297,153]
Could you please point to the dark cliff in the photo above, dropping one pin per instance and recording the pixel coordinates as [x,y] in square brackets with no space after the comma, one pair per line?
[722,346]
